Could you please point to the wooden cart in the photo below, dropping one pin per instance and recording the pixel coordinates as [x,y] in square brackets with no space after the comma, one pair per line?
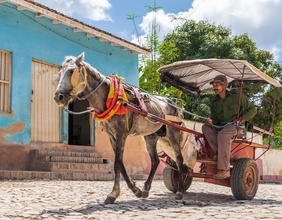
[194,77]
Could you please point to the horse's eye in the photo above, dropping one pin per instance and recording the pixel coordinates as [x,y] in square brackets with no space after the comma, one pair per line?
[71,71]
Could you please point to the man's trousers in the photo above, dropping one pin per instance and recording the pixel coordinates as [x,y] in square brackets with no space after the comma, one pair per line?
[220,142]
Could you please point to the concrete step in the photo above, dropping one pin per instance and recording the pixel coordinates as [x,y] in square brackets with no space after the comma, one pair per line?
[26,175]
[47,152]
[75,167]
[44,175]
[74,159]
[69,161]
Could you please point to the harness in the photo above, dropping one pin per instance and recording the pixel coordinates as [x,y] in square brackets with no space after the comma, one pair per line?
[116,96]
[115,100]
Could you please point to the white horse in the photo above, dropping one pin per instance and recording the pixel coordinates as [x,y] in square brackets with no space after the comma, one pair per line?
[79,78]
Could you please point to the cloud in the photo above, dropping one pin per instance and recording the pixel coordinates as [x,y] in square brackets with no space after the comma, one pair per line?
[260,19]
[165,24]
[89,9]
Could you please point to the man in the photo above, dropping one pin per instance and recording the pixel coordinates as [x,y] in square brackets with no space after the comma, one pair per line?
[222,126]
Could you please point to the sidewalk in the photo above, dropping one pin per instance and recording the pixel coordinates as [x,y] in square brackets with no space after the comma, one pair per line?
[66,200]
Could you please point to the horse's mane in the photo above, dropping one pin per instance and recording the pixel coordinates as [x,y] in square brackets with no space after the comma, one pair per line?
[93,71]
[70,60]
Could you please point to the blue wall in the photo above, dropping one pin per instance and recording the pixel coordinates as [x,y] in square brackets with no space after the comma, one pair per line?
[28,37]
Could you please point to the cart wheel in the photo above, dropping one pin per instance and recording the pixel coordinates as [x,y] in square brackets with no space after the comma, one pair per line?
[170,177]
[244,179]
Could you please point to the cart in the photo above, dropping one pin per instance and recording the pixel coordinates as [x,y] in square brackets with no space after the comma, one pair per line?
[194,77]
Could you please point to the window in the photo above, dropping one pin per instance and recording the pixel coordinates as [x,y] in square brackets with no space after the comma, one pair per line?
[5,81]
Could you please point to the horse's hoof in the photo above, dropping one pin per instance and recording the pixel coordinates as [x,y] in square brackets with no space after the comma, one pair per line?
[110,200]
[178,196]
[145,193]
[137,192]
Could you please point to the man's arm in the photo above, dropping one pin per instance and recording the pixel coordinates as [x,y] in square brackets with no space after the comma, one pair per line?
[249,110]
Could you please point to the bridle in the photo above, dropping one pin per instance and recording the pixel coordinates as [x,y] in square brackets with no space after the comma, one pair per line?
[76,84]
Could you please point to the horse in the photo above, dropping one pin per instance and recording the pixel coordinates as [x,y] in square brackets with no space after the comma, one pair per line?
[77,78]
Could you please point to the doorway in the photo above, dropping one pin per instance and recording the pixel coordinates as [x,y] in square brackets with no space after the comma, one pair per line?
[79,125]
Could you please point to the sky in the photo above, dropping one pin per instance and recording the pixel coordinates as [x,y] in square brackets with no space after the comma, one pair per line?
[260,19]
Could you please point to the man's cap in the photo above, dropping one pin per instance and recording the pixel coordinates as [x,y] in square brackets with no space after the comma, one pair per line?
[221,78]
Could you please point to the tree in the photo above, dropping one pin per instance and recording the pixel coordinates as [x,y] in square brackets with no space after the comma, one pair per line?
[150,77]
[200,40]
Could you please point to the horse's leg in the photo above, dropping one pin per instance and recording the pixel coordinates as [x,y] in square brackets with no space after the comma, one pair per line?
[131,184]
[151,142]
[175,136]
[179,163]
[111,198]
[117,142]
[118,147]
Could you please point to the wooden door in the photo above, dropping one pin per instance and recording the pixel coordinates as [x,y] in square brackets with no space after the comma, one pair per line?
[45,114]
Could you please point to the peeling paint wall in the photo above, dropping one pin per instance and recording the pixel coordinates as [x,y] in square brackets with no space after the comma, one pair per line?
[12,129]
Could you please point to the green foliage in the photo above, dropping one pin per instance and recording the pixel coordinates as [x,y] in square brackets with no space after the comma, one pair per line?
[276,141]
[169,53]
[277,148]
[201,40]
[149,81]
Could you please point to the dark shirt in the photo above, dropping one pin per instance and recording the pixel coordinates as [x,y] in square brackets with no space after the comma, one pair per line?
[225,111]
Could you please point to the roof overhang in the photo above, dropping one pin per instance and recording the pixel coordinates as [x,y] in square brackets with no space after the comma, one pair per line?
[59,18]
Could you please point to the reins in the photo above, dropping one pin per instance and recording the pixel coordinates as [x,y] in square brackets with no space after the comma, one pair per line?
[78,113]
[76,84]
[89,94]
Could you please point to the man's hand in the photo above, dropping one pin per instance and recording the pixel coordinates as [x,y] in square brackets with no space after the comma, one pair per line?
[241,121]
[208,121]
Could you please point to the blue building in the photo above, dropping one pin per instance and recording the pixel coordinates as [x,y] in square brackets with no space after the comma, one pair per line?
[34,40]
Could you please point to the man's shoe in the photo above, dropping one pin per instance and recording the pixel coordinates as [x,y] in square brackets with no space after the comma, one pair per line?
[222,174]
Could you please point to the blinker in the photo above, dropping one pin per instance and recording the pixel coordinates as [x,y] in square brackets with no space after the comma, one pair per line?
[75,77]
[75,80]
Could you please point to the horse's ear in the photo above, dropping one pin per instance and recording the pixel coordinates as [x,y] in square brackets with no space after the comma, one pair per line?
[80,59]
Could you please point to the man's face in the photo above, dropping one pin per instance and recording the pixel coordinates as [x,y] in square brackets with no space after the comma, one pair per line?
[218,86]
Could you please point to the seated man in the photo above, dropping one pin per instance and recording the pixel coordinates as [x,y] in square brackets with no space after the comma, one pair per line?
[221,127]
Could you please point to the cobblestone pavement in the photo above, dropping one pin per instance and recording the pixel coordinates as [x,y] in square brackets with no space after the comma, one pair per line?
[66,200]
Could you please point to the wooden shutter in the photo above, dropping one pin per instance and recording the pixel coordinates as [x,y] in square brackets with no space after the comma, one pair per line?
[5,78]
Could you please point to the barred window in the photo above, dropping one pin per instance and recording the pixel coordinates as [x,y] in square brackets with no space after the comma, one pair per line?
[5,81]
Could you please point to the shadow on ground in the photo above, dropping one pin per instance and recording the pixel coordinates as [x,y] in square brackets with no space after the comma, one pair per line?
[165,201]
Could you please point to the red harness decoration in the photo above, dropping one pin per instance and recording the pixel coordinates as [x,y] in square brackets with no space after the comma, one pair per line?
[114,102]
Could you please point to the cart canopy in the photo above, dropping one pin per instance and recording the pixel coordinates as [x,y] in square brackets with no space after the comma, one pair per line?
[194,76]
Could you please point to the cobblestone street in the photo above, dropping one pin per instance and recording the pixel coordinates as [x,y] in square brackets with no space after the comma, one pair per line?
[50,200]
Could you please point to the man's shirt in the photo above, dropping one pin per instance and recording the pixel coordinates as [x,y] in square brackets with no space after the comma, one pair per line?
[225,111]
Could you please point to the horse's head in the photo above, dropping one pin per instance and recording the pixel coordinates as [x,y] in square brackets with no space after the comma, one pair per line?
[71,80]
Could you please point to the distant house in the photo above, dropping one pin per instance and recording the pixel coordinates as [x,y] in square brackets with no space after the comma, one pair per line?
[34,40]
